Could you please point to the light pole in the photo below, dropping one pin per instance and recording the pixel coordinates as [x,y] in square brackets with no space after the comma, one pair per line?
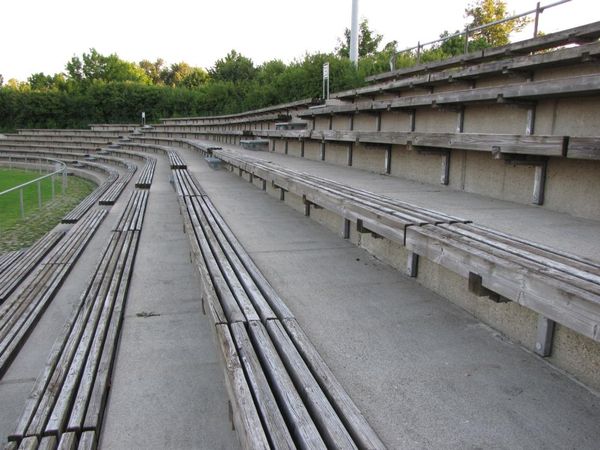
[354,34]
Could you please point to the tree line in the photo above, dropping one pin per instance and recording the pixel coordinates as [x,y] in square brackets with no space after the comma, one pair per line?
[97,88]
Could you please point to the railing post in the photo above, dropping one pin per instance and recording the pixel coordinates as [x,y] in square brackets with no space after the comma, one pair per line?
[537,19]
[39,184]
[21,203]
[419,51]
[52,177]
[466,39]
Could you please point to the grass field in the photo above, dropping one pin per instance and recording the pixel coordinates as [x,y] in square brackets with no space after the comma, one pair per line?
[17,232]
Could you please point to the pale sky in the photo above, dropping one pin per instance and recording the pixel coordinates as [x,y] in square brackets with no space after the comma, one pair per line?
[42,35]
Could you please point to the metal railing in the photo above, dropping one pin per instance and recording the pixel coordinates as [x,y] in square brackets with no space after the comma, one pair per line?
[59,167]
[468,31]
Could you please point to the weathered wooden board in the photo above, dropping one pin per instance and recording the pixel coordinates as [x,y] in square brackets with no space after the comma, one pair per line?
[275,425]
[245,416]
[300,423]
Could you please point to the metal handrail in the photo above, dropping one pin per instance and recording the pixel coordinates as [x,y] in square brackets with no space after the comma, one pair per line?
[538,10]
[21,186]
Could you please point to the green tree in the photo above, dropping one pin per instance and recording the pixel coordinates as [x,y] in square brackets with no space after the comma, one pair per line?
[94,66]
[1,80]
[368,41]
[234,67]
[153,70]
[195,78]
[487,11]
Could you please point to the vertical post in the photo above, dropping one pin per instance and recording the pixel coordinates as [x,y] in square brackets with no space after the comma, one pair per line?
[346,229]
[302,148]
[322,155]
[411,120]
[419,51]
[21,203]
[539,183]
[460,120]
[530,126]
[388,160]
[39,186]
[445,178]
[349,156]
[52,177]
[537,19]
[545,333]
[354,34]
[286,147]
[412,264]
[466,39]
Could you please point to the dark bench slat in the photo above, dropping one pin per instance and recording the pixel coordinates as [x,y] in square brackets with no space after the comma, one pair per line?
[91,311]
[327,421]
[255,295]
[95,408]
[275,425]
[299,421]
[245,416]
[230,306]
[224,265]
[73,418]
[68,441]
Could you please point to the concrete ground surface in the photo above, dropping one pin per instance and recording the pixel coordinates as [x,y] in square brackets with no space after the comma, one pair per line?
[423,371]
[558,230]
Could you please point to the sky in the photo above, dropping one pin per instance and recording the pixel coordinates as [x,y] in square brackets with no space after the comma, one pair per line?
[42,35]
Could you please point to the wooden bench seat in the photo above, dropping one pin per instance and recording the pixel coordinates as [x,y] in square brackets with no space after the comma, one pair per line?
[144,180]
[276,397]
[21,311]
[581,34]
[175,160]
[563,87]
[69,397]
[7,259]
[560,57]
[559,287]
[20,268]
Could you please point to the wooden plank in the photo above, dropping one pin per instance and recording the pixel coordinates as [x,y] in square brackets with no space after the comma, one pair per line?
[300,424]
[87,441]
[48,443]
[60,347]
[82,368]
[68,441]
[96,406]
[260,304]
[275,426]
[228,272]
[355,422]
[74,420]
[81,330]
[208,292]
[571,306]
[29,443]
[584,148]
[228,302]
[245,416]
[330,426]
